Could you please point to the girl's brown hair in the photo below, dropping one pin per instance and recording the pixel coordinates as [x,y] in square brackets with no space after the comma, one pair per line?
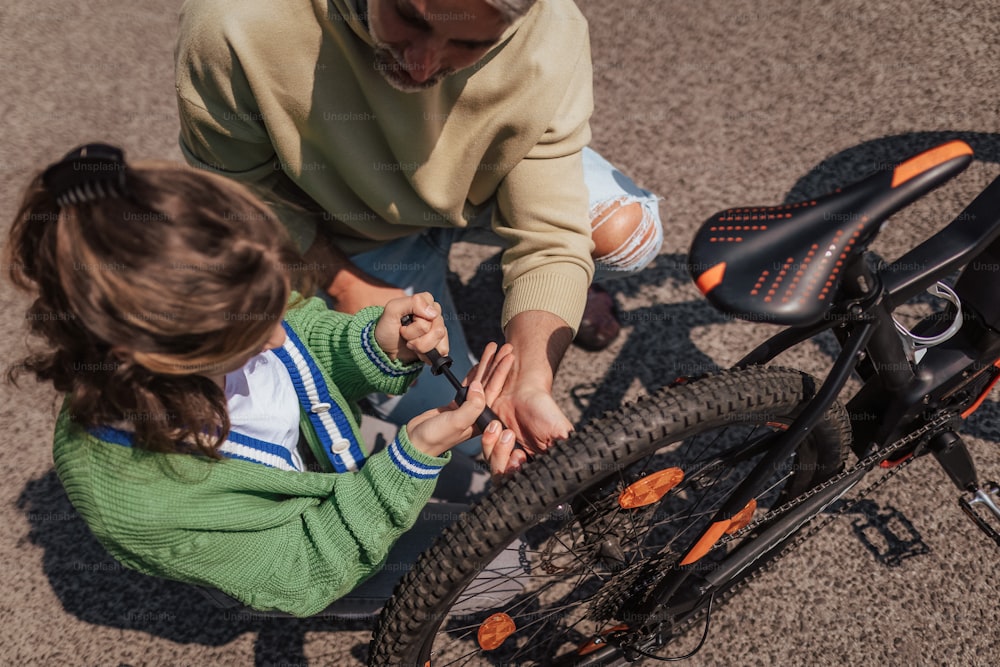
[140,298]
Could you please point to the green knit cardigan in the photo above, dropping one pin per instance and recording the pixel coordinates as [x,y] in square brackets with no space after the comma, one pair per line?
[273,539]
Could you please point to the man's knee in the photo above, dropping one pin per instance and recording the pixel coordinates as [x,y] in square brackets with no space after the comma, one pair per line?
[627,236]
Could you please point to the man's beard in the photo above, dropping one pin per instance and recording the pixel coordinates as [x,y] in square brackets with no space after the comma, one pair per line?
[395,72]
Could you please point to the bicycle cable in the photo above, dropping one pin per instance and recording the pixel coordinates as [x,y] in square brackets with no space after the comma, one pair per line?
[704,637]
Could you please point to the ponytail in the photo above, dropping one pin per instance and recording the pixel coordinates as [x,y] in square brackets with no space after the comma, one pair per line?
[145,261]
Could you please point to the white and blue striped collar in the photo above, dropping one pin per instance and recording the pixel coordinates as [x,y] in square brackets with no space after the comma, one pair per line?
[329,421]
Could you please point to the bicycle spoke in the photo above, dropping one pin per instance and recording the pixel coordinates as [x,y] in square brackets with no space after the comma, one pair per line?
[580,565]
[577,557]
[569,628]
[551,612]
[468,656]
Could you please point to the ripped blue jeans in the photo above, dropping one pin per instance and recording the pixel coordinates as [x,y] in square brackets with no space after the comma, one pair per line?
[395,262]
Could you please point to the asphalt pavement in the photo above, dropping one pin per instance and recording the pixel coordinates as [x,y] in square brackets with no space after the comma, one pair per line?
[712,105]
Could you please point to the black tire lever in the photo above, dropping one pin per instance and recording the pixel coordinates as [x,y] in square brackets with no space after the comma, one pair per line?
[441,365]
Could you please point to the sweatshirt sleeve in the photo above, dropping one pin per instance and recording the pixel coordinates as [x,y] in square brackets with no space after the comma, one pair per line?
[543,212]
[222,128]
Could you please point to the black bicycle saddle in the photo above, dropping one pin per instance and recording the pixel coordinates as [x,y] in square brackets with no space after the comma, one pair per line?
[783,264]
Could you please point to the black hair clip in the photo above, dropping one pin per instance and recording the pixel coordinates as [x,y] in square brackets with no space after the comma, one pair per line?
[87,173]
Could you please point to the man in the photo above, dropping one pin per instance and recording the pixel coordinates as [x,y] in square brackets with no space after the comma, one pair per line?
[383,130]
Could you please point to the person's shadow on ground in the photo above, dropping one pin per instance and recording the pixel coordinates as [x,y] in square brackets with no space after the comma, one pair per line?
[93,587]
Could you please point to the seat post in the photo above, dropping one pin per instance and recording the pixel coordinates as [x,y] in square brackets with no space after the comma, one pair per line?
[885,348]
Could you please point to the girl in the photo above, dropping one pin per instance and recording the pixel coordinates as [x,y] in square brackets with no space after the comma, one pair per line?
[209,432]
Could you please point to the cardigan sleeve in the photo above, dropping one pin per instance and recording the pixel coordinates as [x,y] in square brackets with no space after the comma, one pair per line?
[272,539]
[345,345]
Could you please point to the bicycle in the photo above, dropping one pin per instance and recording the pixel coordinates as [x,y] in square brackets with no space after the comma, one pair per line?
[618,541]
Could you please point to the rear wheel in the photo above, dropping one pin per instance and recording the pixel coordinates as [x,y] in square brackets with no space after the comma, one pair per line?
[567,550]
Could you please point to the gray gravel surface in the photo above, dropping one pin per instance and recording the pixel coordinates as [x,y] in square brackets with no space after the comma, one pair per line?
[711,104]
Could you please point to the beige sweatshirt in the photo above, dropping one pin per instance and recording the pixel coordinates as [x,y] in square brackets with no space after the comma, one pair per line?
[285,96]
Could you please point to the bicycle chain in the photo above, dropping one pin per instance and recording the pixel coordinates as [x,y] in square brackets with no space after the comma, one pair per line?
[942,418]
[624,580]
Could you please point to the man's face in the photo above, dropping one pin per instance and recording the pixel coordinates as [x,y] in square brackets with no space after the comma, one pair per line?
[419,42]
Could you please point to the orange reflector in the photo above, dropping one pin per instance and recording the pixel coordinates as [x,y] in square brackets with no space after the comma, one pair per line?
[928,160]
[651,488]
[706,542]
[742,517]
[592,645]
[892,464]
[718,529]
[709,280]
[494,631]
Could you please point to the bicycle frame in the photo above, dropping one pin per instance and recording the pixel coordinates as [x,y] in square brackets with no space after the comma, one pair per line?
[902,394]
[806,265]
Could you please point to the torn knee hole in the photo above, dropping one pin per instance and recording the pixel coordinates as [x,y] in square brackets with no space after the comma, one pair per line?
[614,226]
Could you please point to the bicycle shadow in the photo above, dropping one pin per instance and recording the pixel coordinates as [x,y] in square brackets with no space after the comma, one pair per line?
[659,347]
[96,589]
[854,163]
[886,533]
[889,535]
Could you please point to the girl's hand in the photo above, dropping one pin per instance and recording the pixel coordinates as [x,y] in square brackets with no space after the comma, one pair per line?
[436,431]
[424,332]
[499,444]
[501,452]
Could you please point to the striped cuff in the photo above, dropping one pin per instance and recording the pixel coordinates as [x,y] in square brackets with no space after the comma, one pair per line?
[378,357]
[412,462]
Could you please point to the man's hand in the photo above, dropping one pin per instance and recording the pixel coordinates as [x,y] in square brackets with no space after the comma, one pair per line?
[436,431]
[499,444]
[526,405]
[533,416]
